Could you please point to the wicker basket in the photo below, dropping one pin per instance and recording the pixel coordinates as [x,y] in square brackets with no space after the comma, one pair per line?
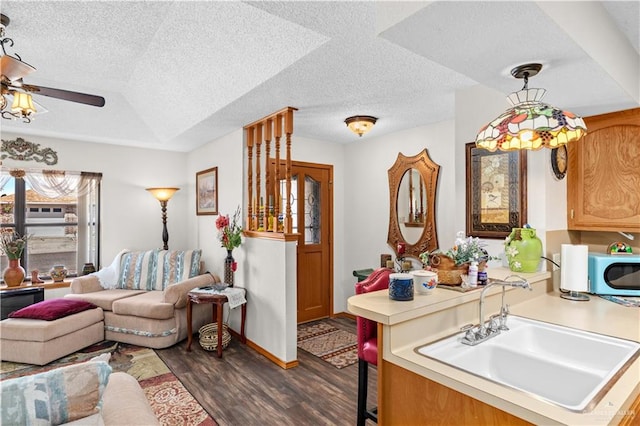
[209,336]
[448,272]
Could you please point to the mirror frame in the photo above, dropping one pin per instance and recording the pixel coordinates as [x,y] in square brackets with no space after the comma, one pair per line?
[429,172]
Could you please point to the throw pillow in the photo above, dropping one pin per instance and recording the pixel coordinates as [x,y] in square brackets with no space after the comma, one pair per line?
[139,270]
[52,309]
[180,265]
[56,396]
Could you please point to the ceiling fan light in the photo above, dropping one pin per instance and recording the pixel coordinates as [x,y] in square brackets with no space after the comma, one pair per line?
[360,124]
[23,104]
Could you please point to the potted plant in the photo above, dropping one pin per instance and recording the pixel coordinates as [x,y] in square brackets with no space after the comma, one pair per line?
[454,262]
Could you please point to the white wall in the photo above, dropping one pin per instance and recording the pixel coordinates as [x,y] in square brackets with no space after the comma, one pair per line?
[226,154]
[131,218]
[366,207]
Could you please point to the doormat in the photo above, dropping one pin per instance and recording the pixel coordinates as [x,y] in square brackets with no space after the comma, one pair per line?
[337,347]
[170,400]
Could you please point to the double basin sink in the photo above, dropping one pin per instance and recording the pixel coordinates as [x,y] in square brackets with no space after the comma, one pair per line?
[565,366]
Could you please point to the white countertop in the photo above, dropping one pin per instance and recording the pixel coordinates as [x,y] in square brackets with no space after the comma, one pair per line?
[408,325]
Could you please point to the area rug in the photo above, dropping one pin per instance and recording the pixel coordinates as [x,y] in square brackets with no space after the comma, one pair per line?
[337,347]
[169,399]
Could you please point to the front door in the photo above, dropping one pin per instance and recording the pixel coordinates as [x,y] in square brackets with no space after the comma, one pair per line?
[312,216]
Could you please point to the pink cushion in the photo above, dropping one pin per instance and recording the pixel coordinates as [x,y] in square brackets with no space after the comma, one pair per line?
[370,351]
[52,309]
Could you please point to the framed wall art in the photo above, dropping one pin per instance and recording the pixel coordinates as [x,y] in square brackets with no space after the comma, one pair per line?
[207,192]
[496,191]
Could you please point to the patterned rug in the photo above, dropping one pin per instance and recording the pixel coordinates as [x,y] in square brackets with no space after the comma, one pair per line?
[170,400]
[337,347]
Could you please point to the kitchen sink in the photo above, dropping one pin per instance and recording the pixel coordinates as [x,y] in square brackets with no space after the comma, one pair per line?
[562,365]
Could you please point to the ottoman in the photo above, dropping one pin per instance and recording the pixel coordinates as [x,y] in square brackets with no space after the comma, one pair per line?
[35,341]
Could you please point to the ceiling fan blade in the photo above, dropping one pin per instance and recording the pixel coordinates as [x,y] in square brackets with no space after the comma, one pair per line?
[66,95]
[13,68]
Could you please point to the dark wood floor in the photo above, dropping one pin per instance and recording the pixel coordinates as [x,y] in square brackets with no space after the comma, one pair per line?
[245,388]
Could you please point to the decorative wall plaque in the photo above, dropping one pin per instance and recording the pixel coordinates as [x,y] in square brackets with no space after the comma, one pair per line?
[22,150]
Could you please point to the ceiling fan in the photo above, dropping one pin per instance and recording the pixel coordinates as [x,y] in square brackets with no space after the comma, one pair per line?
[12,71]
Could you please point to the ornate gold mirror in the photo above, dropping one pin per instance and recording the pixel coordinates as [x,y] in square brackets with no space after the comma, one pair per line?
[412,191]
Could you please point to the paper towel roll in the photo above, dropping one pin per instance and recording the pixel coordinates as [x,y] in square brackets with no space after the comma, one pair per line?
[574,267]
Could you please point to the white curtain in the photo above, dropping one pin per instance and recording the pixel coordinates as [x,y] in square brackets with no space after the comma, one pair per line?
[4,178]
[56,183]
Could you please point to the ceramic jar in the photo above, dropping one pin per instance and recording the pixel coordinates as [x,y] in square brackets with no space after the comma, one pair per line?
[401,287]
[523,250]
[58,273]
[88,268]
[13,275]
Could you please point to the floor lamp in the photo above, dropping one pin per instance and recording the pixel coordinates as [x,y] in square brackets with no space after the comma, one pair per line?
[163,195]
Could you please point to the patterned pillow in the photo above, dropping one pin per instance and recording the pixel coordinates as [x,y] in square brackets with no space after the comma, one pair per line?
[156,269]
[56,396]
[179,266]
[138,270]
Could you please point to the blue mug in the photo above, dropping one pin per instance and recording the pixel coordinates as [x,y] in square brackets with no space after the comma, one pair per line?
[401,287]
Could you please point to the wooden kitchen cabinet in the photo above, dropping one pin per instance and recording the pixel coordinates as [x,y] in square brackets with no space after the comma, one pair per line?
[603,176]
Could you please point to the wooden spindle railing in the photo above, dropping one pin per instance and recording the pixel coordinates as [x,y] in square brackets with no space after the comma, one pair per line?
[265,203]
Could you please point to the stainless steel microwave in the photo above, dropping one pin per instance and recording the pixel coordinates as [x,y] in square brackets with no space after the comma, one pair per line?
[614,274]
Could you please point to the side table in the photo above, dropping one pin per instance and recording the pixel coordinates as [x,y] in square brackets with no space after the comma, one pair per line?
[217,301]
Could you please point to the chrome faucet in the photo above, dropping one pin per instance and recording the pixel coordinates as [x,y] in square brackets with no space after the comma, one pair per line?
[482,332]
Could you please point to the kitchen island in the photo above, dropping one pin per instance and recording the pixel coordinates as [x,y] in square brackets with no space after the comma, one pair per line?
[413,389]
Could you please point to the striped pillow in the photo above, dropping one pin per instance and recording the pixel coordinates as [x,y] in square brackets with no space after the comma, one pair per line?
[139,270]
[179,266]
[156,269]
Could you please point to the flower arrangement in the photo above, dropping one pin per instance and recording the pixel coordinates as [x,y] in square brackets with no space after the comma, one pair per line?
[465,250]
[12,244]
[229,231]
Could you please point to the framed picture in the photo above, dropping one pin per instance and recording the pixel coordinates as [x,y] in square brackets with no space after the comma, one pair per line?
[496,191]
[207,192]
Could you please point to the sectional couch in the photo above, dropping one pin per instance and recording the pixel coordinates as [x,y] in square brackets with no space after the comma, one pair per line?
[144,296]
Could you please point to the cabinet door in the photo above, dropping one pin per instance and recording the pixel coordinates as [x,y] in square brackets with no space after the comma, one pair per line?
[603,177]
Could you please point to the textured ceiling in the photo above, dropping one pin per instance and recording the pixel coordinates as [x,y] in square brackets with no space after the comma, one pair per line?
[178,74]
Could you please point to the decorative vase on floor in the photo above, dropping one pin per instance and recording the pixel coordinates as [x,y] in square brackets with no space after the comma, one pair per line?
[58,273]
[523,249]
[229,268]
[13,274]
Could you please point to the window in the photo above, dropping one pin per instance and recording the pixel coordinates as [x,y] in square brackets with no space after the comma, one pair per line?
[60,213]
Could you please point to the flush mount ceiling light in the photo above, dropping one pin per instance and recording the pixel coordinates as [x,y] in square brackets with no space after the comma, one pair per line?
[530,123]
[360,124]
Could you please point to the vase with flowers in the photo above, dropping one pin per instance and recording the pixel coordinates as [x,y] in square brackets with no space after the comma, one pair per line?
[230,236]
[12,246]
[453,263]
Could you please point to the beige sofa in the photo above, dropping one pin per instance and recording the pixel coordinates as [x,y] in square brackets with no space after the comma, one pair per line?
[146,309]
[80,394]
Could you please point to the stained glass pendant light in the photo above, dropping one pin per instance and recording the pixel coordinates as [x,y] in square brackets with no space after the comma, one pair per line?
[530,123]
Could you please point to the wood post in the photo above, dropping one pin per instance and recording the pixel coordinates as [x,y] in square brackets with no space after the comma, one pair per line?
[263,212]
